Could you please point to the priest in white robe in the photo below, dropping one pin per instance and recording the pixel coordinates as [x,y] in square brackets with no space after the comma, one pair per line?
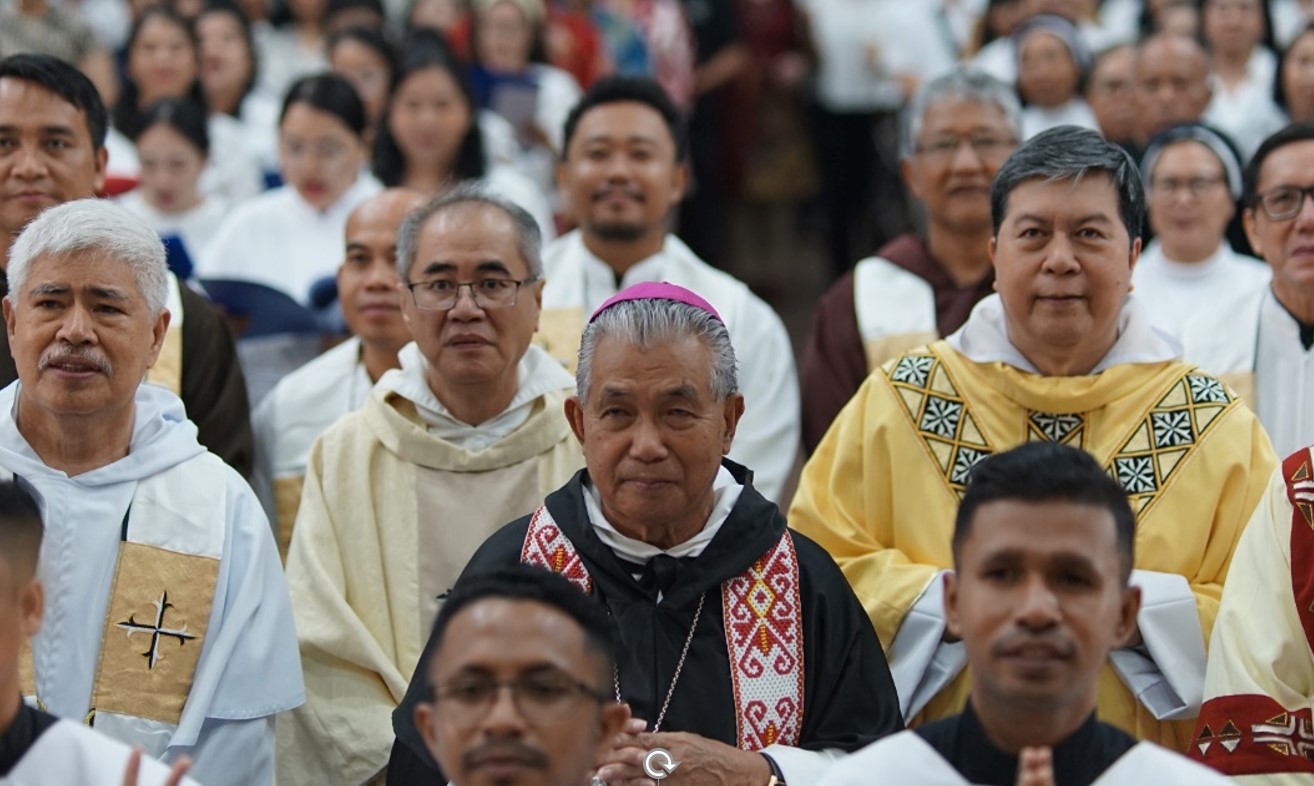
[1189,275]
[1256,724]
[1279,222]
[167,618]
[309,400]
[623,170]
[1040,596]
[36,748]
[467,435]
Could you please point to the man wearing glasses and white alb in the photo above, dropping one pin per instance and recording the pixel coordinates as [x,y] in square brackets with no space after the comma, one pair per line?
[468,435]
[1279,220]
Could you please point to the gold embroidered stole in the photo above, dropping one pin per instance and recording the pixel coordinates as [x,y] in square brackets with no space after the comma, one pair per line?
[159,604]
[559,333]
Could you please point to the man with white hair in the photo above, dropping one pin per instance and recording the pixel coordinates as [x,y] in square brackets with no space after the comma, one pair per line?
[739,641]
[167,623]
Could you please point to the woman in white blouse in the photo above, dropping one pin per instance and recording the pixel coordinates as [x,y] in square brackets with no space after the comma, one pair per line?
[172,148]
[1239,36]
[291,237]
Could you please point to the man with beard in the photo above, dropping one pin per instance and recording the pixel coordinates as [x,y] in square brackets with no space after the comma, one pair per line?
[623,169]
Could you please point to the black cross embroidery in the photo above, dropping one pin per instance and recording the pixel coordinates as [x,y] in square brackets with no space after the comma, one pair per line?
[157,630]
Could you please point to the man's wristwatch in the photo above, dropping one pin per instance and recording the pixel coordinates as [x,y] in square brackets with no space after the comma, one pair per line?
[777,777]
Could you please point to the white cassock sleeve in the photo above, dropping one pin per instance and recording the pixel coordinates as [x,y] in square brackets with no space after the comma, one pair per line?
[802,766]
[227,747]
[1169,683]
[767,438]
[922,663]
[70,754]
[902,758]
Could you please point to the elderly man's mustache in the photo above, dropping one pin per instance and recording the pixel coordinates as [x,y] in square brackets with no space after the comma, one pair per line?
[79,357]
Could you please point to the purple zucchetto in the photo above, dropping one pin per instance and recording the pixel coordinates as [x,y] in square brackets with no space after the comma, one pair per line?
[658,290]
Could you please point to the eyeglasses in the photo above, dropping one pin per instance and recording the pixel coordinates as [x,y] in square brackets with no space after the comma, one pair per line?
[1283,202]
[1195,186]
[442,294]
[986,146]
[539,697]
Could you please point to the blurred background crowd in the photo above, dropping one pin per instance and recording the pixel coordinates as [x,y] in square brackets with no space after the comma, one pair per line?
[229,141]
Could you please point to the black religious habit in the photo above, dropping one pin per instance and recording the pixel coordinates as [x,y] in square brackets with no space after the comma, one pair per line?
[849,699]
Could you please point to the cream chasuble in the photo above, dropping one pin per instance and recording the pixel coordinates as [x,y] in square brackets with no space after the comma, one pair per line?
[389,516]
[881,491]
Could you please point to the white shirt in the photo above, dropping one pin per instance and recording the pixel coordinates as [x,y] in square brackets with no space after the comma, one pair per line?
[1247,113]
[1284,380]
[1074,113]
[281,241]
[1187,300]
[299,410]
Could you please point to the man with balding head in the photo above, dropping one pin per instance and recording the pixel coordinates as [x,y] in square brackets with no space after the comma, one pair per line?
[310,400]
[468,434]
[1172,83]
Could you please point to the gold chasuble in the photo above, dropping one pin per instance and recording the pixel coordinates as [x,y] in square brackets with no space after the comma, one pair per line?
[881,491]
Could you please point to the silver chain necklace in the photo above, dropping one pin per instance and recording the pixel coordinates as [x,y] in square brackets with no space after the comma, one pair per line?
[679,667]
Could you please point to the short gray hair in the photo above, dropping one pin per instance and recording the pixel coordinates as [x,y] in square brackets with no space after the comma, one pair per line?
[644,324]
[93,226]
[1071,153]
[964,83]
[529,240]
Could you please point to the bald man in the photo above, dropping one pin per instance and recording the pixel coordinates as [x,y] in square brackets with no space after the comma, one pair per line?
[308,401]
[1172,83]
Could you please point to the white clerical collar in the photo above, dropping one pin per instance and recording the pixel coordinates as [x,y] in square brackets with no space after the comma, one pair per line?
[984,338]
[538,373]
[725,492]
[1189,270]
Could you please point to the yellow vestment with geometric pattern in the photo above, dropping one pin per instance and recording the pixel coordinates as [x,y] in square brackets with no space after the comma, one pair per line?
[881,491]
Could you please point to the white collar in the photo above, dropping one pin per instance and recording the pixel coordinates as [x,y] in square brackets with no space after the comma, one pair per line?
[537,373]
[984,338]
[725,492]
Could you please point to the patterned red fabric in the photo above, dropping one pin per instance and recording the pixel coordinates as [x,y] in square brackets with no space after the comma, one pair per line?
[547,547]
[1254,735]
[1299,475]
[763,614]
[764,637]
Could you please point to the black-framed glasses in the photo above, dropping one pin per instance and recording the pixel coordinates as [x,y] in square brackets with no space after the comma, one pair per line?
[540,697]
[1284,202]
[986,146]
[442,294]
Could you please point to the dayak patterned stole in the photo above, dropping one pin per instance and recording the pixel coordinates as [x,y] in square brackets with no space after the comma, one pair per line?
[763,615]
[159,606]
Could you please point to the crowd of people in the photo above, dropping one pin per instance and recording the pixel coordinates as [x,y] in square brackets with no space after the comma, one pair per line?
[363,359]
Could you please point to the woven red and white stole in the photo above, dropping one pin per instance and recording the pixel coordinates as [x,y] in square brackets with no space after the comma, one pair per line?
[763,614]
